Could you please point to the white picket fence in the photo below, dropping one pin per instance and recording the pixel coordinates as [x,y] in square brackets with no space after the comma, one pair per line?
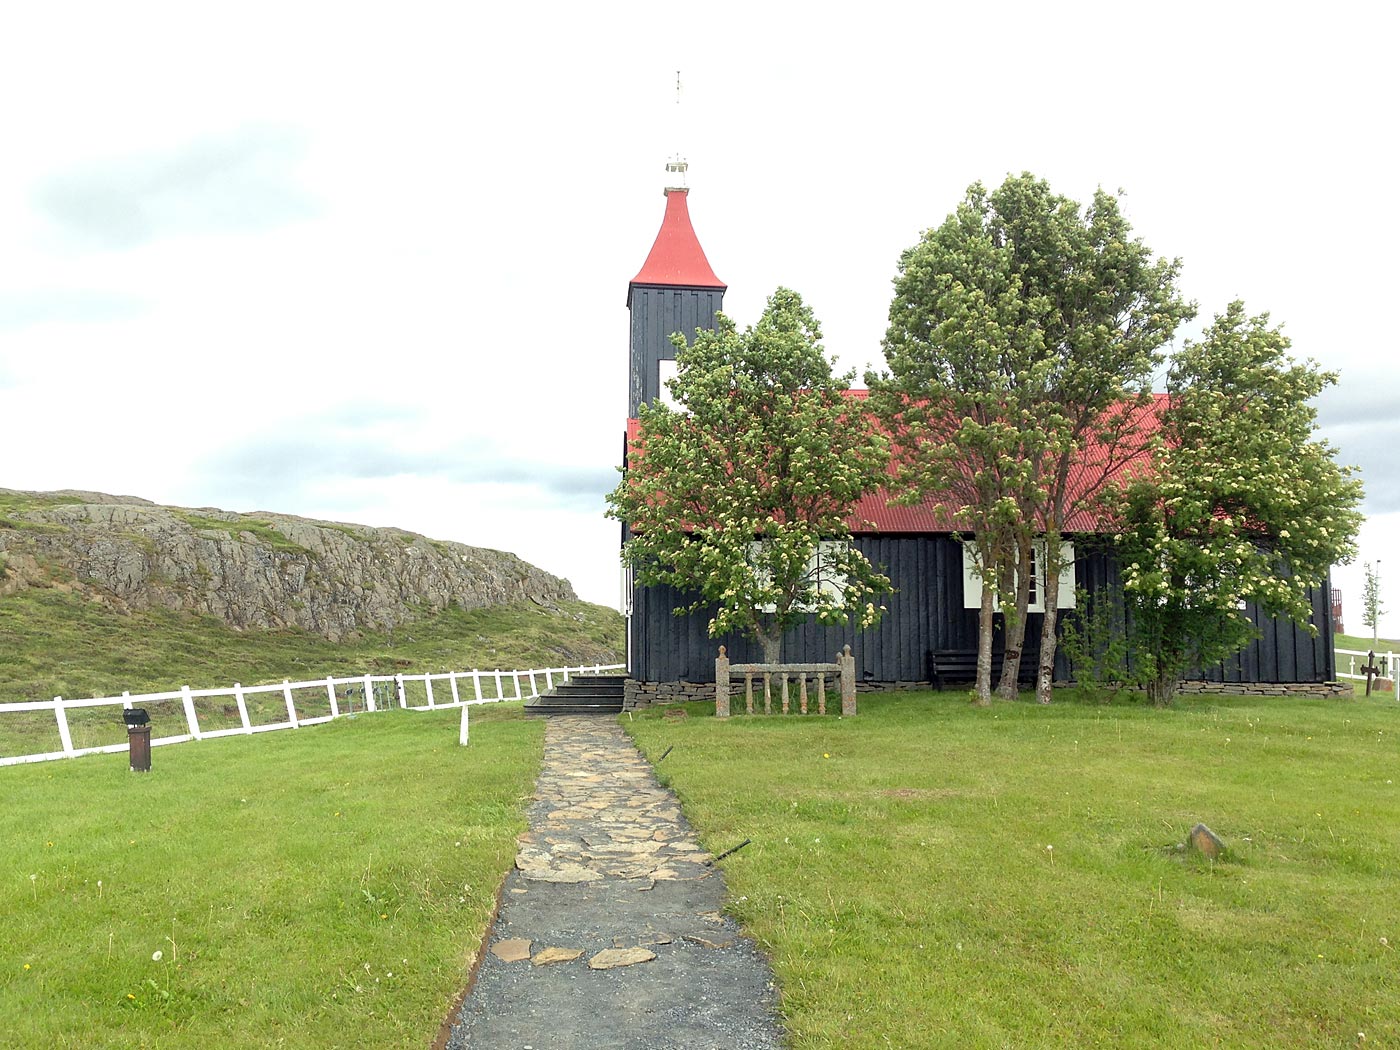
[1357,658]
[464,688]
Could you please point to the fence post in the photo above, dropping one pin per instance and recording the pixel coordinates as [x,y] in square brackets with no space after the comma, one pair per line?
[548,680]
[428,684]
[330,695]
[61,716]
[242,707]
[515,677]
[291,707]
[466,728]
[369,693]
[722,684]
[190,716]
[452,681]
[534,688]
[403,697]
[476,682]
[848,682]
[498,684]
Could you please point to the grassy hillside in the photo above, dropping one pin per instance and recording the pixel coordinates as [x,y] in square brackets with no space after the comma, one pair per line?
[54,643]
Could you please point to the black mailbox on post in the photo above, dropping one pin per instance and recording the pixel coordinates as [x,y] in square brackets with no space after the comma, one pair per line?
[138,733]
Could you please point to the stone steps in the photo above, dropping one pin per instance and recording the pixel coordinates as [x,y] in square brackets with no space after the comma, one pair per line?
[581,695]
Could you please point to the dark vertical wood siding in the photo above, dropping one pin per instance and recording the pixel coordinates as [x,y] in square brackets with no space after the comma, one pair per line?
[657,312]
[925,613]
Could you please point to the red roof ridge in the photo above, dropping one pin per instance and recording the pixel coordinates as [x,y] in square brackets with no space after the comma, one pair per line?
[676,257]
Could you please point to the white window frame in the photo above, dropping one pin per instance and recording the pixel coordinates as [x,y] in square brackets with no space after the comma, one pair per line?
[666,370]
[826,580]
[972,582]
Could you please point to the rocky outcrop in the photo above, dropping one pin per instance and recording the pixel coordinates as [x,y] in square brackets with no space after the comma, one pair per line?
[252,570]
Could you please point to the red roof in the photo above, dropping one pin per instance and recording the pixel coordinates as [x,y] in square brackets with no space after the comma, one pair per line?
[876,509]
[677,258]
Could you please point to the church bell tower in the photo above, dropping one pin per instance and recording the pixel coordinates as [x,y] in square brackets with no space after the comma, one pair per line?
[674,291]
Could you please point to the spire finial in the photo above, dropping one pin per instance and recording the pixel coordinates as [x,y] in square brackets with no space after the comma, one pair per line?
[677,165]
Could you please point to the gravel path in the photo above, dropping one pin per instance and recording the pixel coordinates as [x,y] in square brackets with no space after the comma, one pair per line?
[610,932]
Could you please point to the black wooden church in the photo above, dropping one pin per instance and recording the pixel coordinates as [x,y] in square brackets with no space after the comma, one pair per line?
[932,613]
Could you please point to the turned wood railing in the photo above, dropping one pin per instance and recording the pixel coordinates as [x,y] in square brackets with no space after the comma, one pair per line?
[843,671]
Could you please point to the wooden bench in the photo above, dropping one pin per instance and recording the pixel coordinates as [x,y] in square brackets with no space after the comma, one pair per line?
[960,665]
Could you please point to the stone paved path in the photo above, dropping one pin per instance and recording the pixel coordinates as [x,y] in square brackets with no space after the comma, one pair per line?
[610,932]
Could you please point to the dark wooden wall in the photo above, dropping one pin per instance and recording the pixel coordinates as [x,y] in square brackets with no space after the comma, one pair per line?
[926,614]
[657,312]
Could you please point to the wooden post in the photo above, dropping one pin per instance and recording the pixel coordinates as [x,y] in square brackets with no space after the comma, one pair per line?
[238,699]
[821,693]
[428,685]
[722,684]
[330,695]
[191,717]
[748,693]
[291,707]
[848,682]
[61,717]
[456,696]
[369,693]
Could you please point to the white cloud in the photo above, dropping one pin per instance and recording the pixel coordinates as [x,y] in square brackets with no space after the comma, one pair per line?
[372,262]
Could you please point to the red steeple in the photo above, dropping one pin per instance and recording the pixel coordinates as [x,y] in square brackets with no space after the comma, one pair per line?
[677,258]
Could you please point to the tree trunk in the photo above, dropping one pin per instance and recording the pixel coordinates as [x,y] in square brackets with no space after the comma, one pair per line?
[985,619]
[771,638]
[1045,674]
[1161,690]
[1008,686]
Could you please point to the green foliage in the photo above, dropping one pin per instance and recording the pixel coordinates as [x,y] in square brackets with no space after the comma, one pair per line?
[1023,332]
[1095,643]
[730,498]
[309,887]
[904,891]
[1244,505]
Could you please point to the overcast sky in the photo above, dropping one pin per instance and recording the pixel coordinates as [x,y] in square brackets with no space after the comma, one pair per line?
[370,264]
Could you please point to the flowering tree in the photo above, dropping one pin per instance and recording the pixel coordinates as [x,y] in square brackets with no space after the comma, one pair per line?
[1024,331]
[740,497]
[1244,503]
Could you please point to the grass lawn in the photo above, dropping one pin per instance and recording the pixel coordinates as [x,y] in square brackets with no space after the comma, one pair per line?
[323,887]
[928,874]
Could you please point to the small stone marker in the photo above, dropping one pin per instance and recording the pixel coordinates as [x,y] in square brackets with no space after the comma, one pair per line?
[611,958]
[555,955]
[1205,842]
[512,950]
[705,942]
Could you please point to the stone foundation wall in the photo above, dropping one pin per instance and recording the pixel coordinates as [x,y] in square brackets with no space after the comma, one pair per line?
[644,694]
[1312,689]
[637,694]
